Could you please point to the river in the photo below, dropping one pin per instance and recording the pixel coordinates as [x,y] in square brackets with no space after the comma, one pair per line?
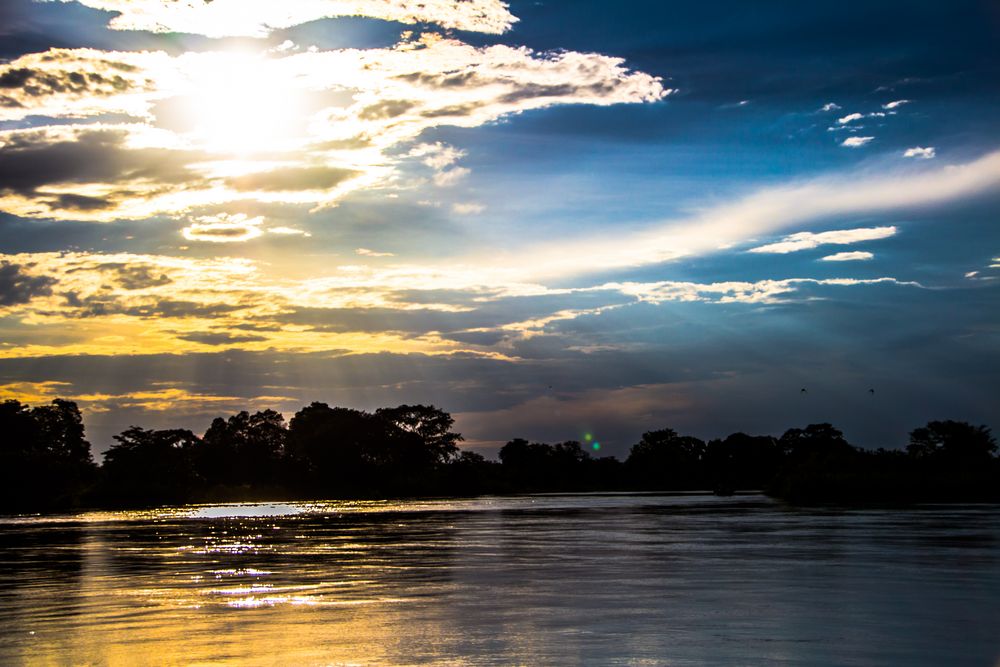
[601,579]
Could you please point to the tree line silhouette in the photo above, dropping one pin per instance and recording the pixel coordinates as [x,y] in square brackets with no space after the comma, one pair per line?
[412,450]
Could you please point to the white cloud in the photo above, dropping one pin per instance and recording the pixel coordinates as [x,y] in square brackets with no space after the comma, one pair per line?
[257,18]
[850,118]
[468,208]
[855,142]
[972,274]
[241,135]
[849,257]
[449,177]
[896,104]
[438,155]
[830,106]
[287,231]
[365,252]
[920,152]
[761,292]
[764,212]
[809,240]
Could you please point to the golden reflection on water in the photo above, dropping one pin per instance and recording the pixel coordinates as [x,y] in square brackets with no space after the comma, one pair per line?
[598,580]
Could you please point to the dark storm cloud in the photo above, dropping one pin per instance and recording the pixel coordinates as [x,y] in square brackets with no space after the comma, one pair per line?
[18,287]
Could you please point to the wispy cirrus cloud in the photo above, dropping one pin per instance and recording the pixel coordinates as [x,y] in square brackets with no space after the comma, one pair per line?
[768,210]
[809,240]
[257,18]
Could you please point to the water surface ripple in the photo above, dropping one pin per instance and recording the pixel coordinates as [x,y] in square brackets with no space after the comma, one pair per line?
[534,580]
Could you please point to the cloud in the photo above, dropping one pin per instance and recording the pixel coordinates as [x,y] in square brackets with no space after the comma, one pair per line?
[81,82]
[19,287]
[467,208]
[850,118]
[287,231]
[920,153]
[766,211]
[365,252]
[896,104]
[94,172]
[808,240]
[220,338]
[438,155]
[224,228]
[830,106]
[449,177]
[213,128]
[855,142]
[257,18]
[760,292]
[849,257]
[148,304]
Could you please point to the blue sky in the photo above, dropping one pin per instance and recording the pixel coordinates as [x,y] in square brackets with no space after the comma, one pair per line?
[549,218]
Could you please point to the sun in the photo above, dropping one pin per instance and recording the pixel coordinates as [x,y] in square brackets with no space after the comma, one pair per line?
[242,103]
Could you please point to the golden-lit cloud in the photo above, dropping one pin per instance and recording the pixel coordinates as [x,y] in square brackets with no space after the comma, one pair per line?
[224,228]
[257,18]
[219,128]
[115,304]
[152,399]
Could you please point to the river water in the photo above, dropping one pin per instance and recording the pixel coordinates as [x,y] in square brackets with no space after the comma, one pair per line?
[532,580]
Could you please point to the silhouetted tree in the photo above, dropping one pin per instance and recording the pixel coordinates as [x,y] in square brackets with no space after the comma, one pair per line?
[326,443]
[814,440]
[245,449]
[148,466]
[952,442]
[665,460]
[431,425]
[540,466]
[45,459]
[820,464]
[743,461]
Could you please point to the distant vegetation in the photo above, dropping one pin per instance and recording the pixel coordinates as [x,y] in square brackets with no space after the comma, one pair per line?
[411,450]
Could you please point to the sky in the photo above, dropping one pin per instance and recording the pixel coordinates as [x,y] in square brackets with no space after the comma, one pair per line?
[549,218]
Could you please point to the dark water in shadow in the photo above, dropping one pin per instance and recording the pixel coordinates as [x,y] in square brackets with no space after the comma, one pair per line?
[550,580]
